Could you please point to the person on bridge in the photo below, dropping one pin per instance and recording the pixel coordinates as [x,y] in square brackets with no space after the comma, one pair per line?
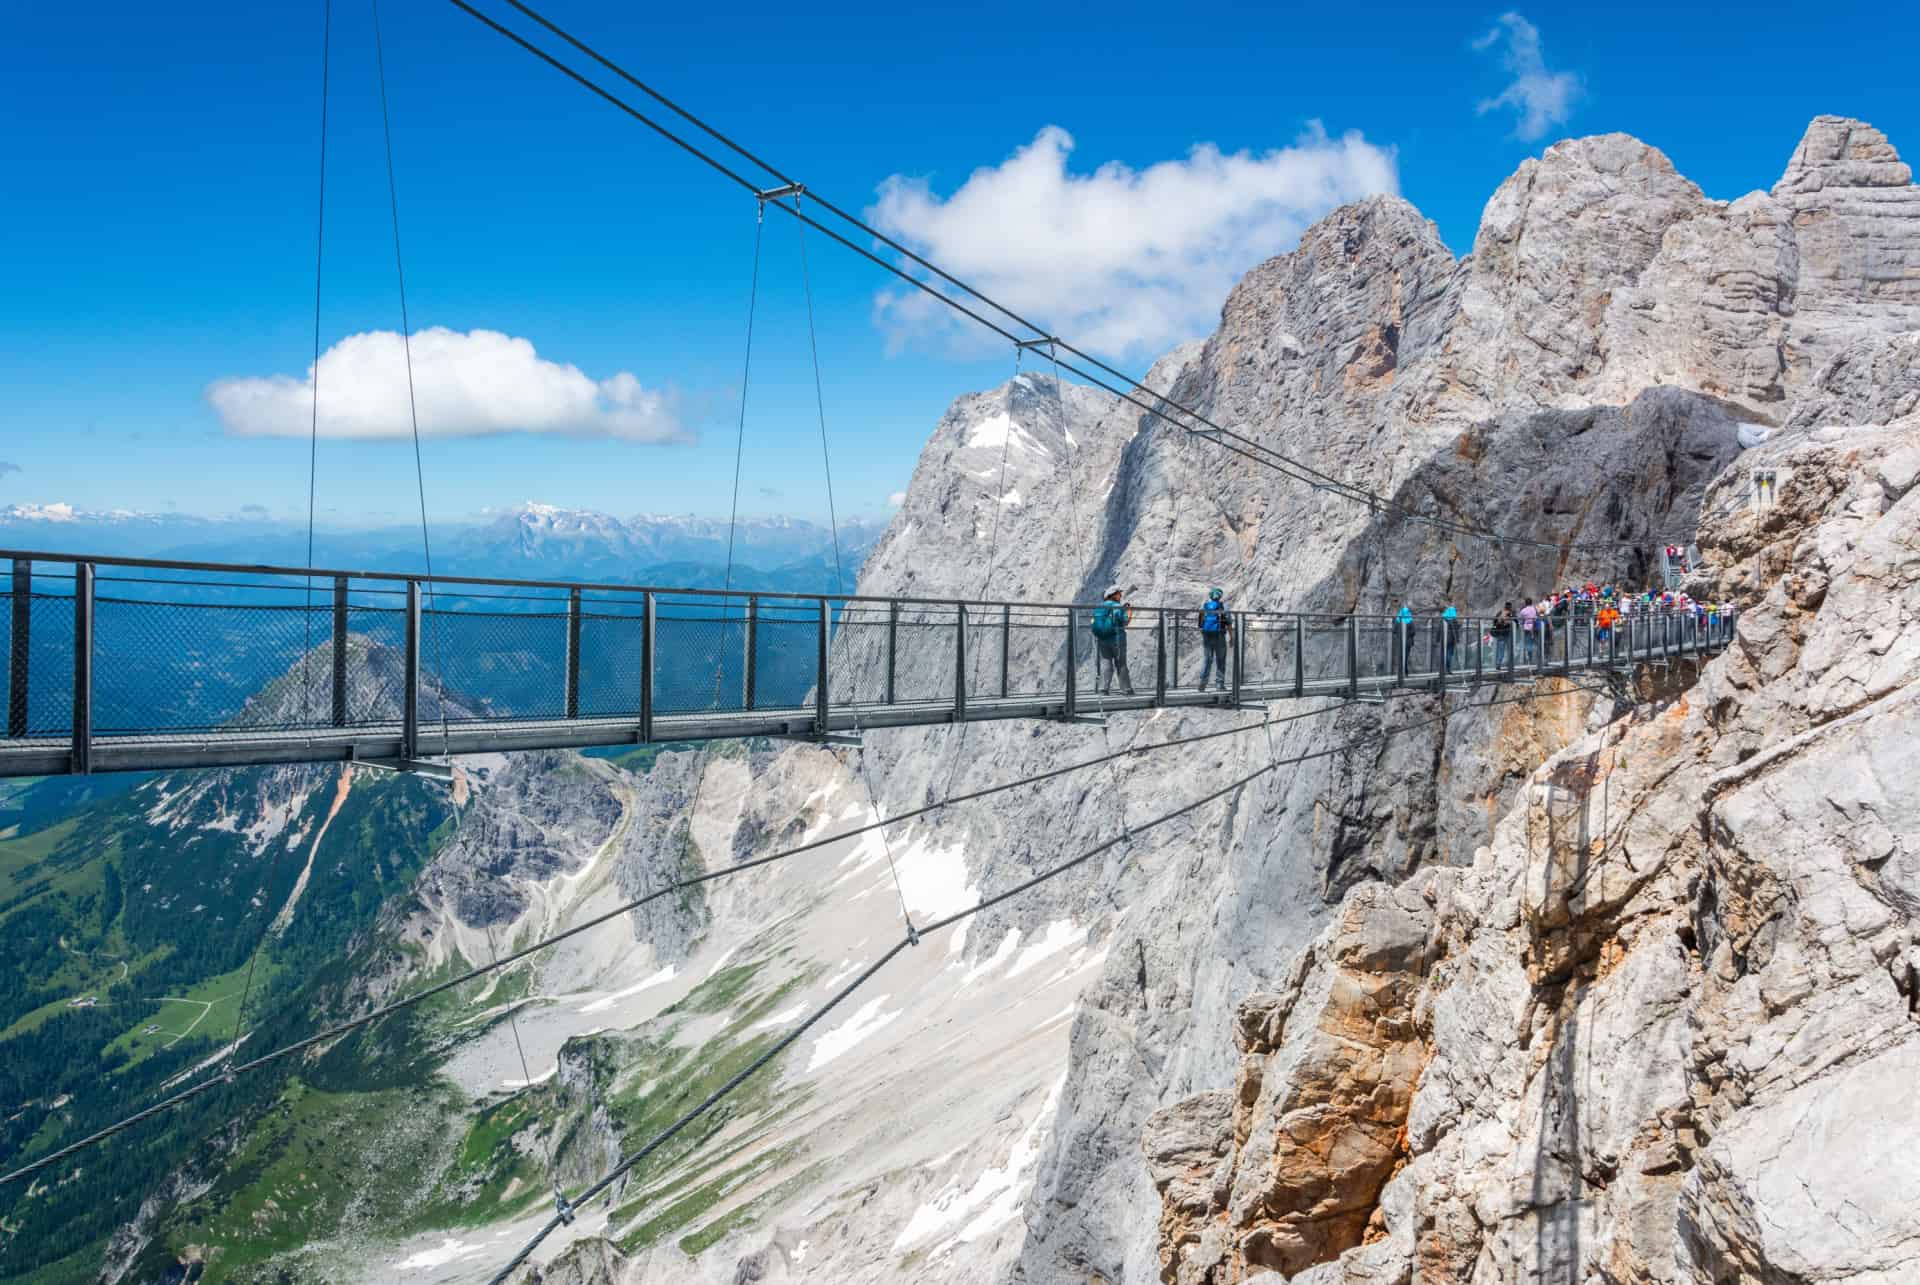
[1604,623]
[1216,628]
[1404,623]
[1503,636]
[1450,623]
[1110,638]
[1530,631]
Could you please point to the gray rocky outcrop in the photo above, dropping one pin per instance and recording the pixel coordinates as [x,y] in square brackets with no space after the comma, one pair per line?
[1668,1010]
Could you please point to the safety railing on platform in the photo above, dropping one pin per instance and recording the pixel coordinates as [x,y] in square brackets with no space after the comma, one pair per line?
[130,651]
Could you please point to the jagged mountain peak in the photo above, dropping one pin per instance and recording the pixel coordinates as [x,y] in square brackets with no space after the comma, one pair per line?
[1842,151]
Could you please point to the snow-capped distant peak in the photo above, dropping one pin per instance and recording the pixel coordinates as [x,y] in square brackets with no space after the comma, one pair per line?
[39,512]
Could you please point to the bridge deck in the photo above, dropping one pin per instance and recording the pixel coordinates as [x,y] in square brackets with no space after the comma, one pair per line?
[127,665]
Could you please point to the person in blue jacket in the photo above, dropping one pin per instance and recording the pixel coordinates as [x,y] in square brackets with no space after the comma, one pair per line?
[1404,623]
[1216,627]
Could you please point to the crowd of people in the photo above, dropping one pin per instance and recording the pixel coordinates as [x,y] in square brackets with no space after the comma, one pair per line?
[1590,609]
[1603,608]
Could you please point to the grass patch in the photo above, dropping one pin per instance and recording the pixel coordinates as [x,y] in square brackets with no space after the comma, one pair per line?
[313,1164]
[201,1014]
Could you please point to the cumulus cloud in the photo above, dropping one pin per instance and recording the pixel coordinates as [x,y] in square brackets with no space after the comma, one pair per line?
[1540,99]
[465,385]
[1124,261]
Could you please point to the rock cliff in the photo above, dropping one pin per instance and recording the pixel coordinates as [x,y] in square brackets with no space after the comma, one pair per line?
[1372,1103]
[1658,1030]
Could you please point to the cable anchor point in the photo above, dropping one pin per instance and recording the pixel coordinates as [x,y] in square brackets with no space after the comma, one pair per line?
[775,193]
[913,934]
[562,1207]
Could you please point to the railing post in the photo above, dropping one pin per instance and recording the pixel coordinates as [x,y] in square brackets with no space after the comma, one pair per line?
[410,693]
[1299,656]
[893,638]
[747,692]
[82,669]
[1592,618]
[820,671]
[339,651]
[1173,675]
[1480,653]
[1160,657]
[960,663]
[1239,652]
[19,645]
[572,701]
[646,667]
[1006,644]
[1073,665]
[1402,644]
[1353,658]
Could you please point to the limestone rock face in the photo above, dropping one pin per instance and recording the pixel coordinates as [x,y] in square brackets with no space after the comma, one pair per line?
[1289,1172]
[1856,218]
[1669,1010]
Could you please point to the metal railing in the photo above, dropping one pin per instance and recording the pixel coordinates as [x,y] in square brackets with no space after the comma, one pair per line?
[142,663]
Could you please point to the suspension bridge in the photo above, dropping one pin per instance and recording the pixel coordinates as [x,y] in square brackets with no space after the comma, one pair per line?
[140,664]
[146,664]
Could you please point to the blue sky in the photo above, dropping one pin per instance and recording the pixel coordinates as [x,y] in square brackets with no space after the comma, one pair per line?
[159,205]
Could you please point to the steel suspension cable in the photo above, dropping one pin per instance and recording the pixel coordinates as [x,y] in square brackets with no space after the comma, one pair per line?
[746,376]
[348,1027]
[406,1002]
[627,1163]
[1208,430]
[820,406]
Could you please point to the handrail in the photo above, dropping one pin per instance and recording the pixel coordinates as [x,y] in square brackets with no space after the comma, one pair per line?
[600,586]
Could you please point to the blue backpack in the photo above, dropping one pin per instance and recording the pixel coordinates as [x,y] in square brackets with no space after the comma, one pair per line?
[1213,616]
[1108,621]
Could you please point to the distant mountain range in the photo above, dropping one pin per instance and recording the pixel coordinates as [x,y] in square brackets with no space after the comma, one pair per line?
[539,541]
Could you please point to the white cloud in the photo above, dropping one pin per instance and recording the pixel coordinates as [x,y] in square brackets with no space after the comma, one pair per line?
[1122,261]
[465,385]
[897,499]
[1540,98]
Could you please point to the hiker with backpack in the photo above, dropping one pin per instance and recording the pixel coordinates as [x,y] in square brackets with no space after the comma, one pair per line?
[1450,625]
[1216,627]
[1110,639]
[1503,636]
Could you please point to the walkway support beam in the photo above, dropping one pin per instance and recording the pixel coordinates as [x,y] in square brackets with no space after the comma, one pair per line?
[20,647]
[82,669]
[410,695]
[1160,655]
[820,672]
[1006,645]
[960,664]
[1073,667]
[747,692]
[893,646]
[1353,658]
[570,701]
[647,609]
[339,650]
